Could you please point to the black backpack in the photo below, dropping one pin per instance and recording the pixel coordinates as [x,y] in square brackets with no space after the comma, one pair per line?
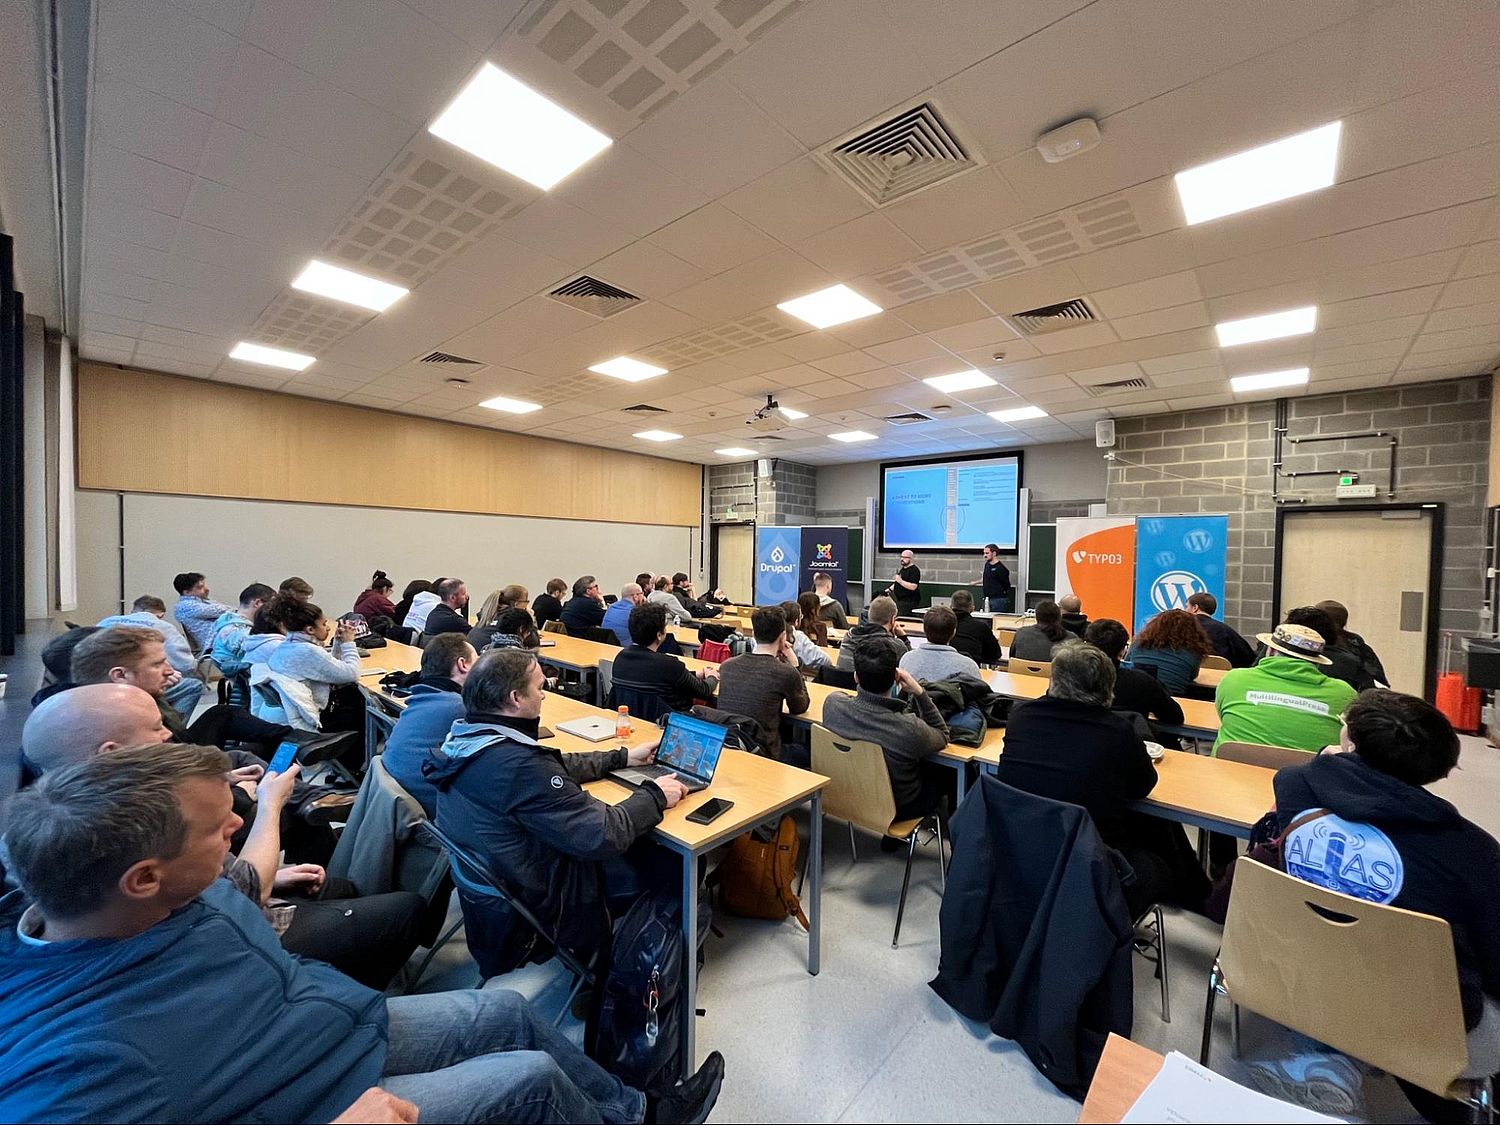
[636,1026]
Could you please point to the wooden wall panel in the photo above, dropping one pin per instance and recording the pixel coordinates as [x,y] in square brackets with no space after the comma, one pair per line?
[139,431]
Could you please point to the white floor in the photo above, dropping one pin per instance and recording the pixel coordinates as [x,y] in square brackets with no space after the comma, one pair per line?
[867,1040]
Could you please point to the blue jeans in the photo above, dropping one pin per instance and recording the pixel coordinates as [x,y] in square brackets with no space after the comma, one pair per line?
[485,1056]
[998,605]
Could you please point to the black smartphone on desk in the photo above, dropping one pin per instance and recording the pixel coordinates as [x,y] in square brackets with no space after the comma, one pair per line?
[709,811]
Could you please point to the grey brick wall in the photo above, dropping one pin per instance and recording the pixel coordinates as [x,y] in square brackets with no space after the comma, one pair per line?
[788,496]
[1220,460]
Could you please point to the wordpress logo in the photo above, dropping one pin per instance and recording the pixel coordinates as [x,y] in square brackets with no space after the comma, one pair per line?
[1198,540]
[1153,527]
[777,554]
[1165,558]
[825,550]
[1172,589]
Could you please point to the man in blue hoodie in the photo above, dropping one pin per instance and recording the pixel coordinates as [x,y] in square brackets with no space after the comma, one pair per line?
[436,702]
[138,985]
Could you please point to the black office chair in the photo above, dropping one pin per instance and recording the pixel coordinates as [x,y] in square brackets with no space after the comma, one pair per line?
[644,702]
[833,676]
[602,635]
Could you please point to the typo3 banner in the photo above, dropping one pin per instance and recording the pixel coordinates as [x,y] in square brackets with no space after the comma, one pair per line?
[1096,561]
[777,565]
[825,550]
[1175,558]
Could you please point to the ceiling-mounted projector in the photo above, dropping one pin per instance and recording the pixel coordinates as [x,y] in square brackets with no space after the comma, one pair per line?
[768,419]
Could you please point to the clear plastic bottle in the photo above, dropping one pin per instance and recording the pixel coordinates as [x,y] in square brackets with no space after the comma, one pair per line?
[622,722]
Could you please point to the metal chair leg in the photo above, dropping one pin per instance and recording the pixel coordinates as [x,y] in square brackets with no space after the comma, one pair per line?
[1484,1101]
[911,850]
[1215,980]
[1161,966]
[431,953]
[942,860]
[1234,1027]
[853,851]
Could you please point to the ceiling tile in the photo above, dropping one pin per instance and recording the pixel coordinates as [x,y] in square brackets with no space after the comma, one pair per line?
[714,239]
[859,246]
[796,201]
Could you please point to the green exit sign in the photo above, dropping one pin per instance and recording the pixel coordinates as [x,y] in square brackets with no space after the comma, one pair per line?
[1349,478]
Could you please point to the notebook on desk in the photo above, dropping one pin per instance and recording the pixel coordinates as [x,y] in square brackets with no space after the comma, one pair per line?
[689,751]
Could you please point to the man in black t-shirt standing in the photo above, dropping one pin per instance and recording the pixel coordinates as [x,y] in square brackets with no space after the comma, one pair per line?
[906,590]
[996,581]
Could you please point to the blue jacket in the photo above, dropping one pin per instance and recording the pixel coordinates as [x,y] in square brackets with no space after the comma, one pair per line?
[431,710]
[204,1017]
[617,620]
[228,651]
[580,613]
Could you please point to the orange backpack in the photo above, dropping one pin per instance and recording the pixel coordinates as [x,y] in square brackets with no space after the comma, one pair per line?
[756,878]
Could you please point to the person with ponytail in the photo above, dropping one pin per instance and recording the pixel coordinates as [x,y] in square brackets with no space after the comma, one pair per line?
[376,600]
[1036,642]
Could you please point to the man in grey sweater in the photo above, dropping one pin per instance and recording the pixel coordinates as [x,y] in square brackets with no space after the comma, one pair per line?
[758,683]
[874,715]
[938,659]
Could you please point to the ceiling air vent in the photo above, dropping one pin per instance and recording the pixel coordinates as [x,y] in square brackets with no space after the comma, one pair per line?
[445,357]
[1052,318]
[595,297]
[644,408]
[911,419]
[1118,385]
[767,437]
[899,157]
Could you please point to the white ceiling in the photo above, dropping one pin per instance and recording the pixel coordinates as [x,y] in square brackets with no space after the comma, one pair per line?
[232,140]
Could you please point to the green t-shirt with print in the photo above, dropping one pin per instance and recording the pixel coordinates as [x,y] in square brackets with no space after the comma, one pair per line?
[1282,701]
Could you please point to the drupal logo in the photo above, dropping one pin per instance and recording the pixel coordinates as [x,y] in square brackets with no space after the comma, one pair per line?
[777,554]
[1172,590]
[1198,540]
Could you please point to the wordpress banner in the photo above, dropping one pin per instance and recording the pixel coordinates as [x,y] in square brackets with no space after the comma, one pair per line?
[1177,557]
[1096,561]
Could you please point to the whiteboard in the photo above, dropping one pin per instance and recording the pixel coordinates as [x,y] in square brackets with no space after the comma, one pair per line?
[337,548]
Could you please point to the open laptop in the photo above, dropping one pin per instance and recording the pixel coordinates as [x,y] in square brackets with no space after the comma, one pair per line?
[689,751]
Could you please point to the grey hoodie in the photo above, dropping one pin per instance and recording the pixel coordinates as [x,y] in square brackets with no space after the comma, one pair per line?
[302,658]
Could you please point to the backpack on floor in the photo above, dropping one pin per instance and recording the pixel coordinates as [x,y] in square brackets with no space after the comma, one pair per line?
[635,1027]
[757,877]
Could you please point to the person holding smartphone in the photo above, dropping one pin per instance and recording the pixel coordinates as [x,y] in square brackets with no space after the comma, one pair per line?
[305,673]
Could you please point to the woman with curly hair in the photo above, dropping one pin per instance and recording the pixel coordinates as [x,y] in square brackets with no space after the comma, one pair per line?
[1172,644]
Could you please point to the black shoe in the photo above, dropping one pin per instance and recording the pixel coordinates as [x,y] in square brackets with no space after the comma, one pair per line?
[315,746]
[327,808]
[690,1101]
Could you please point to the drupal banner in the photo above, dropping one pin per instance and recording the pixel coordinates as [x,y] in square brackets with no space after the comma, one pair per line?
[1175,558]
[824,550]
[777,566]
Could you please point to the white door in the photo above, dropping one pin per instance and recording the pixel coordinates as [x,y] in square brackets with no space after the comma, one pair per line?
[1377,563]
[735,561]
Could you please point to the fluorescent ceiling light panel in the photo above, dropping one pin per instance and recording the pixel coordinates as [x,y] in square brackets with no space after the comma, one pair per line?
[508,124]
[960,381]
[271,357]
[1291,377]
[510,405]
[853,435]
[735,452]
[838,304]
[658,435]
[1018,414]
[793,415]
[631,370]
[1272,326]
[1268,174]
[348,287]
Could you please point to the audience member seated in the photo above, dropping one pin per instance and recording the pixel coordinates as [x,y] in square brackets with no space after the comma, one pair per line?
[548,605]
[230,631]
[1069,746]
[1173,646]
[661,594]
[136,984]
[812,621]
[1135,691]
[1405,846]
[758,683]
[830,609]
[303,673]
[422,604]
[1353,643]
[369,937]
[57,661]
[617,616]
[1037,642]
[804,647]
[907,739]
[938,659]
[1073,619]
[717,597]
[515,629]
[1285,700]
[513,596]
[682,590]
[375,601]
[882,624]
[1344,663]
[974,636]
[1225,641]
[297,588]
[151,612]
[517,802]
[585,609]
[408,597]
[643,671]
[435,703]
[194,612]
[447,616]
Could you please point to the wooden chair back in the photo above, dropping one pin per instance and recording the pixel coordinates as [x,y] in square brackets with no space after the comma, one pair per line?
[1213,660]
[1006,636]
[1272,757]
[555,627]
[859,785]
[1042,668]
[1324,963]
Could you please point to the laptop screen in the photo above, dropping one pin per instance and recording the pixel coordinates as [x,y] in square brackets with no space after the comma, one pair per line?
[691,745]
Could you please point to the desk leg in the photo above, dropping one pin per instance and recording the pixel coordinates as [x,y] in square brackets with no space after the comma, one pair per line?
[690,961]
[963,782]
[372,731]
[815,887]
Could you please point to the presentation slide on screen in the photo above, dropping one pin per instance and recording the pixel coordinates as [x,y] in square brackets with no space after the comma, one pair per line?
[954,504]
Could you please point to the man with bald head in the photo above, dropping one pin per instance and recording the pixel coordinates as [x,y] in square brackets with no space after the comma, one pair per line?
[75,725]
[617,616]
[1074,620]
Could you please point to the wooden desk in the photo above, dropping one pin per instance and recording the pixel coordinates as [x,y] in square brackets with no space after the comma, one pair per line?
[831,653]
[1200,719]
[1211,677]
[1125,1070]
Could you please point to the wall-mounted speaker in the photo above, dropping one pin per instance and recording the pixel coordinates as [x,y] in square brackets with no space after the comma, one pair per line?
[1104,433]
[764,467]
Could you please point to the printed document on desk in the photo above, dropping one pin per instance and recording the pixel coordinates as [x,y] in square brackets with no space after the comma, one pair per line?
[1189,1093]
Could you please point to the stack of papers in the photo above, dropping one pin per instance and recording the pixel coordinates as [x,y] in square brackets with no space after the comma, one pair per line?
[1189,1093]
